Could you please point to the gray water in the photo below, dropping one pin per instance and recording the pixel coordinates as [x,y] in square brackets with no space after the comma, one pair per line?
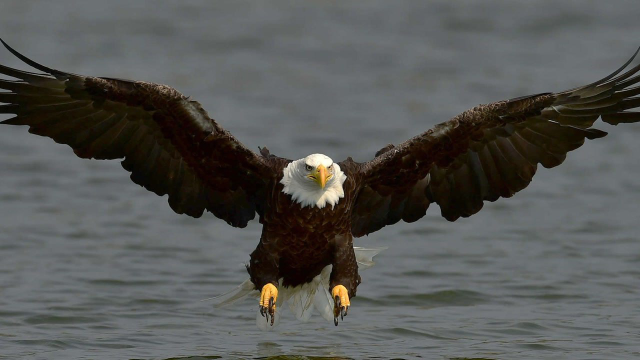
[94,267]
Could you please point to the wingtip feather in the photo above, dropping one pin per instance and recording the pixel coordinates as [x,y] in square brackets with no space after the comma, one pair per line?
[32,63]
[13,121]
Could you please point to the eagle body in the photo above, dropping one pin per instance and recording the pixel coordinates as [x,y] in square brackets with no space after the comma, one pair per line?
[312,208]
[299,241]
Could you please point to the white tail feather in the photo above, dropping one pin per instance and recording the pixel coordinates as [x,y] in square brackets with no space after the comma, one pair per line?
[323,301]
[240,292]
[302,299]
[364,256]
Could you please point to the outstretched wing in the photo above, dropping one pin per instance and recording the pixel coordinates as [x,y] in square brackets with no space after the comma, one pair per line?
[168,142]
[488,152]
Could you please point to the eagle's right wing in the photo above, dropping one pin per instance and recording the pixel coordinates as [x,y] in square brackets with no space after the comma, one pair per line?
[488,152]
[168,142]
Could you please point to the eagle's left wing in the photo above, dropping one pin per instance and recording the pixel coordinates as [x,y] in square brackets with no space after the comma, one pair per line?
[488,152]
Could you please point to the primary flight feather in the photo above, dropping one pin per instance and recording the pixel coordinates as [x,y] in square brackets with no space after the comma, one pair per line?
[311,208]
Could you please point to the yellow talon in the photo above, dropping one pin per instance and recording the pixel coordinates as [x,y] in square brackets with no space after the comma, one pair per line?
[268,299]
[341,302]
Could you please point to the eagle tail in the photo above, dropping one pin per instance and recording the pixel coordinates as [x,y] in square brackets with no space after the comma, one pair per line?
[303,299]
[238,293]
[364,257]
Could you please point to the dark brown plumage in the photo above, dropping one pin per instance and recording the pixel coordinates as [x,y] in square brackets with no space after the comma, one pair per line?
[171,146]
[488,152]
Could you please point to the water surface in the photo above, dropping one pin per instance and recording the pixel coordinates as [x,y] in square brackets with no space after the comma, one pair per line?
[93,266]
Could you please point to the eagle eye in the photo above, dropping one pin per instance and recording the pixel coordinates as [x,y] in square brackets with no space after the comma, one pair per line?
[308,167]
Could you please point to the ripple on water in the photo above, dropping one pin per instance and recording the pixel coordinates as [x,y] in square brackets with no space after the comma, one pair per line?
[303,357]
[61,319]
[153,301]
[411,332]
[192,358]
[530,326]
[126,283]
[454,297]
[538,346]
[55,344]
[552,296]
[432,274]
[511,331]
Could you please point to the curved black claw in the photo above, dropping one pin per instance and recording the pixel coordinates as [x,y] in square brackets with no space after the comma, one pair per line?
[339,310]
[272,309]
[336,309]
[269,312]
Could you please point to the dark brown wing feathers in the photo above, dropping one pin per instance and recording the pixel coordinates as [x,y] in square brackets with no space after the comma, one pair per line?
[168,142]
[488,152]
[171,146]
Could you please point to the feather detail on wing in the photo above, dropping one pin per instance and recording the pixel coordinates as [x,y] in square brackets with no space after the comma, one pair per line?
[488,152]
[168,142]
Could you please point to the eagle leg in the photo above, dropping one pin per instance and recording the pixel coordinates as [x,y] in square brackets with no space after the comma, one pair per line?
[268,299]
[263,270]
[344,278]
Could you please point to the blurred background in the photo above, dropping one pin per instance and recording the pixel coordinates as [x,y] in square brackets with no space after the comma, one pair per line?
[93,266]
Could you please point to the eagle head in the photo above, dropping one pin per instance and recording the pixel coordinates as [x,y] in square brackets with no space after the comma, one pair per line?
[314,181]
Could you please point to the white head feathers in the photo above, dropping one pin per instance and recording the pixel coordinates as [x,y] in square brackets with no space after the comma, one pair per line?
[305,190]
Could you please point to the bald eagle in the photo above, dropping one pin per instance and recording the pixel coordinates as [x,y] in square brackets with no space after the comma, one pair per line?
[311,208]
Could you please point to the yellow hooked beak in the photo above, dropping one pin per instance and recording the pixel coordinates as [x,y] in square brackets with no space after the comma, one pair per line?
[320,175]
